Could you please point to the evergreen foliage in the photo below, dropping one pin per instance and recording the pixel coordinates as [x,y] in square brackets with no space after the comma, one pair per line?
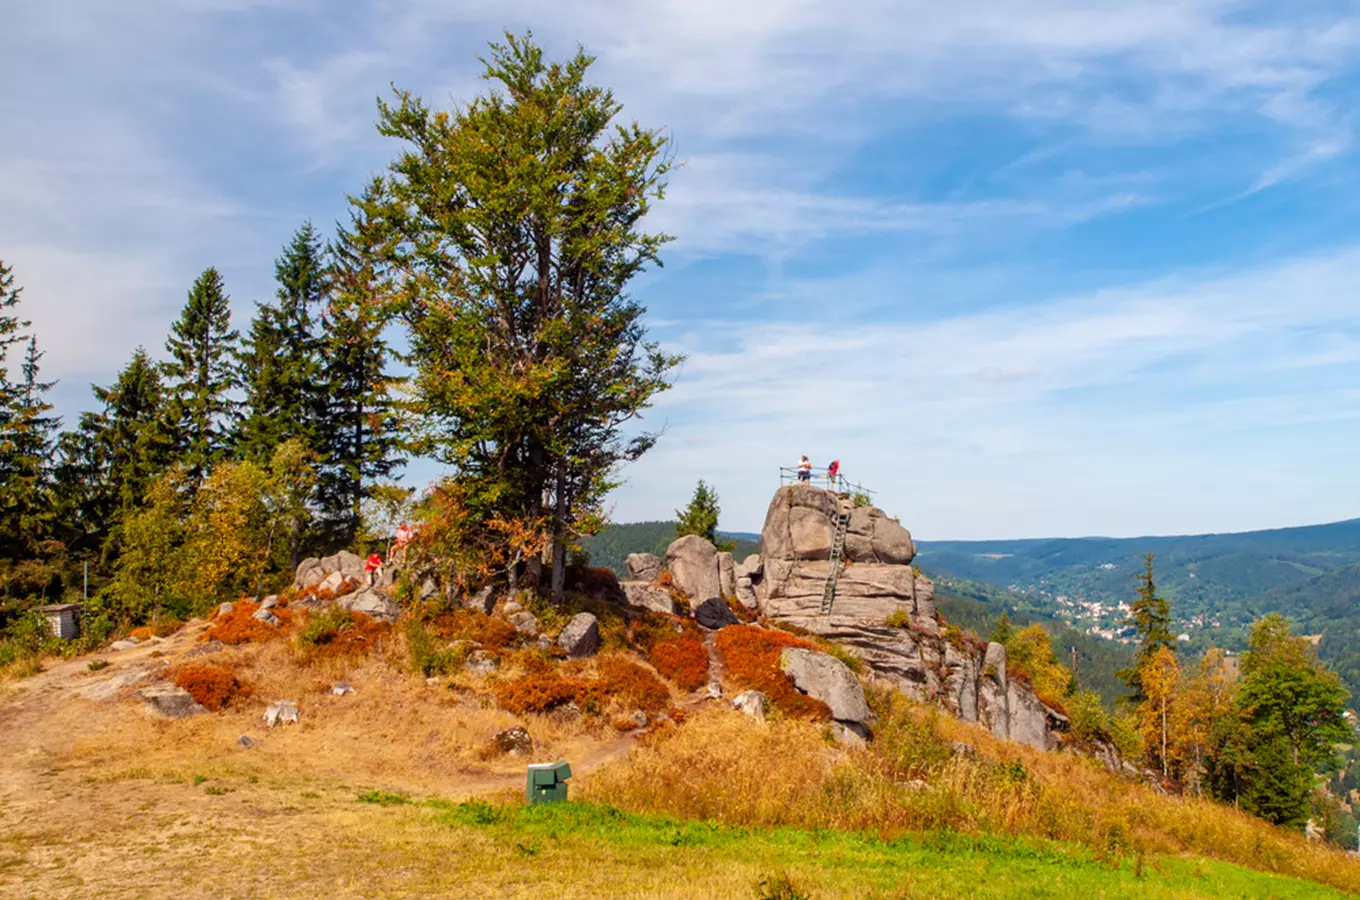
[701,516]
[281,360]
[199,376]
[1150,617]
[513,226]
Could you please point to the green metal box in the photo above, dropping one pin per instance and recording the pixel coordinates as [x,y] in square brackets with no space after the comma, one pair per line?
[547,782]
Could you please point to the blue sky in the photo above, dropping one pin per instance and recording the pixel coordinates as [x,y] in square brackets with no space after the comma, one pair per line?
[1026,268]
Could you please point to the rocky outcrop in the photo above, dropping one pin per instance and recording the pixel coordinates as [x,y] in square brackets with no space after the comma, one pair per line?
[693,564]
[644,567]
[727,585]
[581,637]
[876,583]
[825,678]
[373,603]
[170,700]
[650,596]
[312,570]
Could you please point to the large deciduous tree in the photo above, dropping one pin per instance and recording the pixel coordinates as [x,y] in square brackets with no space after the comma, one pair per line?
[511,229]
[199,376]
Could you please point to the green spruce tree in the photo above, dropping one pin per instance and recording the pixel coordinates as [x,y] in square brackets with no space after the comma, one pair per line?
[701,516]
[26,448]
[281,359]
[1150,616]
[361,443]
[199,377]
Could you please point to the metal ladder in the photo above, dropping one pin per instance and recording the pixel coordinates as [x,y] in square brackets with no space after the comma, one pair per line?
[837,551]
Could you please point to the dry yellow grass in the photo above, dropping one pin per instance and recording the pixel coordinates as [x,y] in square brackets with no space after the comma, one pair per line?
[910,780]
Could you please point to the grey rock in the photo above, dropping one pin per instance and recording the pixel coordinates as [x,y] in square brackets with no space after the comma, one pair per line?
[170,700]
[125,644]
[825,678]
[798,524]
[544,642]
[750,565]
[693,563]
[713,691]
[265,616]
[850,734]
[1028,716]
[428,589]
[515,741]
[341,688]
[480,662]
[106,688]
[638,718]
[281,712]
[245,742]
[752,703]
[225,608]
[524,623]
[727,576]
[345,563]
[308,573]
[581,637]
[714,613]
[334,582]
[565,713]
[649,596]
[270,602]
[207,648]
[372,603]
[863,590]
[483,601]
[961,670]
[746,592]
[644,567]
[511,607]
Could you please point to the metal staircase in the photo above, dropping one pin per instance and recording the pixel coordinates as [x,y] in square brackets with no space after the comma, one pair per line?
[837,551]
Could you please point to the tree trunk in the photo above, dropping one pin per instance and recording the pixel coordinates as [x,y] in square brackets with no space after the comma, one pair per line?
[559,550]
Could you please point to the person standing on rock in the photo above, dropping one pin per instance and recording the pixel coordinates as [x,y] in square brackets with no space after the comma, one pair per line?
[804,470]
[831,472]
[373,568]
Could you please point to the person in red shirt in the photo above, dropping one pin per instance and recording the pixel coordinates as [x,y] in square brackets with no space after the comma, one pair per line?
[373,568]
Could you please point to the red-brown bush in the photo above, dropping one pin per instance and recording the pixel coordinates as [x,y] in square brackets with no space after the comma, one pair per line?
[465,625]
[212,686]
[540,692]
[751,655]
[241,627]
[683,660]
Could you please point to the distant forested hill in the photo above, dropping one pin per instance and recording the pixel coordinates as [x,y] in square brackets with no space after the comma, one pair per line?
[611,547]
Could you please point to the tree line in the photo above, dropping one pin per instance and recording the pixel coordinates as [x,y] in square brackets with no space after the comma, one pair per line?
[499,243]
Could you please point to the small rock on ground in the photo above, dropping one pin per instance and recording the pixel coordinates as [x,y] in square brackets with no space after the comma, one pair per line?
[341,688]
[282,712]
[514,741]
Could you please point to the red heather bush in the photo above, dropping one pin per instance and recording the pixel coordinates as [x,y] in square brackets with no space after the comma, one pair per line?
[540,692]
[212,686]
[751,655]
[631,683]
[465,625]
[683,660]
[241,627]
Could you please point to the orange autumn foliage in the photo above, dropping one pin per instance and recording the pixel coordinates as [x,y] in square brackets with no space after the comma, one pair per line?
[465,625]
[631,683]
[683,660]
[212,686]
[241,627]
[539,692]
[751,655]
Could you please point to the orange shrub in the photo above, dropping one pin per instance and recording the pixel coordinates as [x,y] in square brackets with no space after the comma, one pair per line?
[141,634]
[631,683]
[683,660]
[466,625]
[666,579]
[241,627]
[751,655]
[540,692]
[650,628]
[212,686]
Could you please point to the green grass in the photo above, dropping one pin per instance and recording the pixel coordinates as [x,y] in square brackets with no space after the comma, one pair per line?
[572,840]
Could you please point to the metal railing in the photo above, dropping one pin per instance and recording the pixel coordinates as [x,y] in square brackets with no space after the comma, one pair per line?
[822,477]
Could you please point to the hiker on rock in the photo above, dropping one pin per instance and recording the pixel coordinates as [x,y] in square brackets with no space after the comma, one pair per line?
[373,568]
[804,470]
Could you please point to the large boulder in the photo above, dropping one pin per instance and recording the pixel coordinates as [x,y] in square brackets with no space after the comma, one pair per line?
[752,703]
[645,595]
[344,562]
[525,623]
[727,578]
[961,674]
[693,563]
[645,567]
[825,678]
[993,710]
[863,590]
[872,537]
[581,637]
[373,603]
[1028,716]
[715,614]
[170,700]
[309,572]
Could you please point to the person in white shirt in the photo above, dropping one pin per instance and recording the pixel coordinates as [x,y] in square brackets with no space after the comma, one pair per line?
[804,470]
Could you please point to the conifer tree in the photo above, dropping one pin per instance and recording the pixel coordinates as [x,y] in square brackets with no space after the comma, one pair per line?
[513,226]
[199,376]
[361,442]
[26,445]
[701,516]
[1150,616]
[281,360]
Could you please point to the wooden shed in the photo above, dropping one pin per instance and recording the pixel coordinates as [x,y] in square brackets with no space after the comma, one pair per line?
[63,619]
